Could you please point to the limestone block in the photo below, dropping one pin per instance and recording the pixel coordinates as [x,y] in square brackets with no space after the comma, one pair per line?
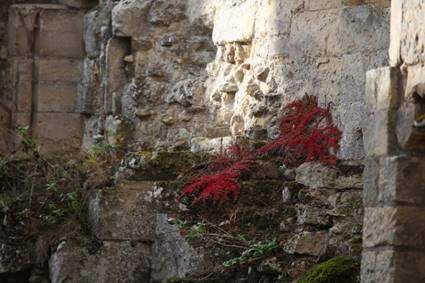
[173,256]
[129,18]
[396,226]
[61,33]
[382,101]
[88,88]
[234,23]
[112,262]
[409,133]
[56,97]
[64,70]
[122,214]
[307,243]
[389,265]
[396,179]
[317,175]
[412,31]
[378,266]
[58,131]
[339,31]
[311,215]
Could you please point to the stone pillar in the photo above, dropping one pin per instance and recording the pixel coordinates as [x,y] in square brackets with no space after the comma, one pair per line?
[394,178]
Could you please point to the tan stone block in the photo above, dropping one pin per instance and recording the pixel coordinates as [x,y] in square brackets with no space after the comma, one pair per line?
[65,70]
[383,96]
[79,3]
[57,132]
[57,97]
[22,69]
[394,226]
[61,33]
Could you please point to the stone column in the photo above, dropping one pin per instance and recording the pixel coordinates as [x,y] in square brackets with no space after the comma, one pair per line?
[394,178]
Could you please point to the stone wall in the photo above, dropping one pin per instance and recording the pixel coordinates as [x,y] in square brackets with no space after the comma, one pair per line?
[197,61]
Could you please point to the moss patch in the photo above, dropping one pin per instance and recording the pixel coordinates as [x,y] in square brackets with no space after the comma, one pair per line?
[336,270]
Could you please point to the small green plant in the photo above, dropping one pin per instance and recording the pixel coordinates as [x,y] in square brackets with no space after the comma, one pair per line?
[187,230]
[53,215]
[256,251]
[28,143]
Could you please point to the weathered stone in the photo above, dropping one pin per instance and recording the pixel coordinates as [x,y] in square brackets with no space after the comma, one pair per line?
[410,134]
[234,23]
[59,97]
[112,262]
[121,214]
[58,131]
[415,84]
[382,100]
[316,175]
[307,243]
[395,226]
[312,215]
[174,257]
[64,70]
[128,17]
[60,33]
[392,266]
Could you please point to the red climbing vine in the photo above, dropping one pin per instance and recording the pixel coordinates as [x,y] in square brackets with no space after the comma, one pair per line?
[307,133]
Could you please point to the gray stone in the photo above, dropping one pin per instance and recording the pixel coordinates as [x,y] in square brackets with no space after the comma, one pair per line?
[316,175]
[173,256]
[312,215]
[121,214]
[307,243]
[112,262]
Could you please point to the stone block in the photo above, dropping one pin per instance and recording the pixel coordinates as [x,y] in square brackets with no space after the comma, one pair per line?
[64,70]
[234,22]
[411,28]
[307,243]
[122,214]
[317,175]
[383,97]
[129,18]
[378,266]
[394,226]
[392,266]
[415,84]
[112,262]
[61,34]
[57,132]
[371,181]
[312,215]
[24,96]
[410,134]
[57,97]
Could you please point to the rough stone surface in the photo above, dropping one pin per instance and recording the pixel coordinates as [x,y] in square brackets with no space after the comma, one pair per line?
[112,262]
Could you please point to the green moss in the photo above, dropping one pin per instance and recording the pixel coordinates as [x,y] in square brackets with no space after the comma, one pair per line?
[336,270]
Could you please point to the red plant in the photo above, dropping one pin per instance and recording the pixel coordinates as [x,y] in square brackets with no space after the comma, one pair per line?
[307,133]
[222,179]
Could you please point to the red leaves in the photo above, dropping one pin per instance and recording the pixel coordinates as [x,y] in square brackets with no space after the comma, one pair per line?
[307,133]
[222,181]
